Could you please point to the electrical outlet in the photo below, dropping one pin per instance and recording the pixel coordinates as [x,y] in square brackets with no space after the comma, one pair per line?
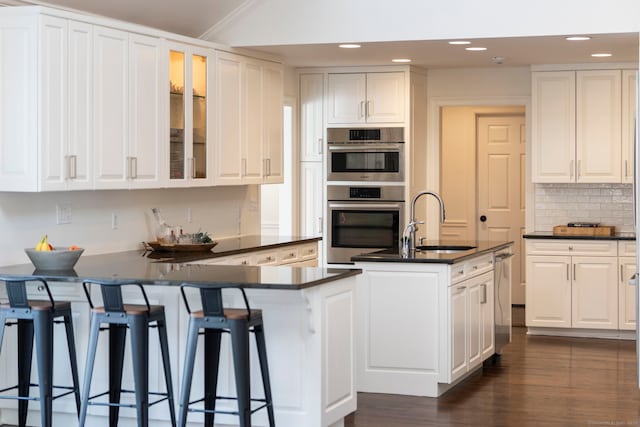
[63,213]
[114,221]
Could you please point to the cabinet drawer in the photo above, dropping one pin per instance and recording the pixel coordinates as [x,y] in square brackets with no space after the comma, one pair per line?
[572,247]
[265,258]
[308,251]
[471,268]
[288,255]
[626,248]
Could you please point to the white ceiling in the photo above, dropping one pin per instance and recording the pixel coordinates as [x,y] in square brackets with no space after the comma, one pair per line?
[197,17]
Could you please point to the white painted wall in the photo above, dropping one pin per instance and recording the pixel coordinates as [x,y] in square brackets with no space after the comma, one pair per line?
[25,217]
[282,22]
[479,82]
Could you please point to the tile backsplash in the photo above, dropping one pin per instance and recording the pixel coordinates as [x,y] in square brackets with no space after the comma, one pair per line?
[608,204]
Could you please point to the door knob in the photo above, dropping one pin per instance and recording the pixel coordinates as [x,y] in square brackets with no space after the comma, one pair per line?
[483,218]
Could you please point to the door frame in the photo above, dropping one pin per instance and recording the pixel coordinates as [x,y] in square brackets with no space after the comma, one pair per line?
[433,147]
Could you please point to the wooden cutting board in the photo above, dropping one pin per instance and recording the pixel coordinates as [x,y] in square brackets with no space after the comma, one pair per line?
[602,230]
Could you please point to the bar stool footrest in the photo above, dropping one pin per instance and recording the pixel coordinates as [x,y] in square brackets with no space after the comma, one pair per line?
[163,396]
[220,411]
[69,389]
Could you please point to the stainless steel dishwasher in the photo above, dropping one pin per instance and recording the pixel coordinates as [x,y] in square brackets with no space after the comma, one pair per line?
[502,303]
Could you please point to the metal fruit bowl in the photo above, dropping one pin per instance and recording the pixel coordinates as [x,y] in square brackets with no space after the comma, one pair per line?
[56,259]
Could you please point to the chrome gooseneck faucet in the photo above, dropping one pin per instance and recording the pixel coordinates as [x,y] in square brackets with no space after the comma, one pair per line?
[409,233]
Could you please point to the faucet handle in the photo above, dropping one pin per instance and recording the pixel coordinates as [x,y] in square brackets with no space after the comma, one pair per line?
[421,240]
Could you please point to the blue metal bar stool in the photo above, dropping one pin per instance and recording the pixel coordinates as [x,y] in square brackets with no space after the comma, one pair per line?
[35,318]
[214,319]
[119,317]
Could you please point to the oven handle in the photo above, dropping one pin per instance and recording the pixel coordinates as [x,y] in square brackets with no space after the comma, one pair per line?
[366,148]
[389,205]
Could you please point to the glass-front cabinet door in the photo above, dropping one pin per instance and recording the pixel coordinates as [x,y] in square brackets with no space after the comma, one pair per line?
[189,142]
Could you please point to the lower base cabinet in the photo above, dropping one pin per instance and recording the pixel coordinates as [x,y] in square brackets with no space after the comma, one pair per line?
[579,285]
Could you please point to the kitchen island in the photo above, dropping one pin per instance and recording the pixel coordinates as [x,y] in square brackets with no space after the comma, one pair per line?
[426,321]
[309,326]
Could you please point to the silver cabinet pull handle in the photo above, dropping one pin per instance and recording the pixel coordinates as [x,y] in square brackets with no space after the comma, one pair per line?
[483,300]
[633,280]
[320,146]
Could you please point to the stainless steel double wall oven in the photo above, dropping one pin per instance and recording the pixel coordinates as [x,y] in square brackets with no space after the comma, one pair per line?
[365,191]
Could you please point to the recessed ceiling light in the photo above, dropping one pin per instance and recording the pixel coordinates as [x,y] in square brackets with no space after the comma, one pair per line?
[577,38]
[475,49]
[401,60]
[459,42]
[601,55]
[349,46]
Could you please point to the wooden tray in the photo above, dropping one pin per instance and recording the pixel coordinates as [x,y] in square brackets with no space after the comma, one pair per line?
[602,230]
[180,247]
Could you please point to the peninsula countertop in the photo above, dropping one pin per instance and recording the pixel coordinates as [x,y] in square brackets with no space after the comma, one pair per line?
[479,247]
[139,266]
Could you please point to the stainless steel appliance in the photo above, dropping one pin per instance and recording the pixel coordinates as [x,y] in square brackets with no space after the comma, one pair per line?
[369,154]
[363,219]
[502,301]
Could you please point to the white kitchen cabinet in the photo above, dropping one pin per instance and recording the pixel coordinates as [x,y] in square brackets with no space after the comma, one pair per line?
[572,284]
[191,71]
[127,109]
[629,104]
[576,132]
[249,135]
[598,126]
[366,98]
[311,205]
[471,324]
[294,253]
[273,143]
[311,117]
[46,84]
[626,292]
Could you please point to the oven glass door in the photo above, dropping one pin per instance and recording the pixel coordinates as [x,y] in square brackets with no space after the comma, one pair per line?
[365,161]
[364,228]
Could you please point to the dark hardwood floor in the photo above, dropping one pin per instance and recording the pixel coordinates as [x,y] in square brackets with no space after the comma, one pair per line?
[538,381]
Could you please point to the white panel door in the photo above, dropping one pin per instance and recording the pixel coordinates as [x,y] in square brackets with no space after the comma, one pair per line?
[18,112]
[594,292]
[629,105]
[458,302]
[311,206]
[111,108]
[229,119]
[147,68]
[598,120]
[253,134]
[553,130]
[346,98]
[53,104]
[626,294]
[80,151]
[501,188]
[548,291]
[311,118]
[273,143]
[385,97]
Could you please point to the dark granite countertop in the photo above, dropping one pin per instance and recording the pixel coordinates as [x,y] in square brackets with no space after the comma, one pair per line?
[233,246]
[481,247]
[137,266]
[550,235]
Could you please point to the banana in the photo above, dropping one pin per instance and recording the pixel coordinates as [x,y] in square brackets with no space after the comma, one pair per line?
[43,245]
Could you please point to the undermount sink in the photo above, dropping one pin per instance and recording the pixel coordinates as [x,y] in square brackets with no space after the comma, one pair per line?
[444,249]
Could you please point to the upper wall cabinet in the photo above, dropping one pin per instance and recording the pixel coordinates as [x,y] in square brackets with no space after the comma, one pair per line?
[366,98]
[577,127]
[46,87]
[249,118]
[191,71]
[629,104]
[127,107]
[311,118]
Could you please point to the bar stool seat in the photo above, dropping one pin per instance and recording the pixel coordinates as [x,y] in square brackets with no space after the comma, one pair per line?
[120,317]
[35,319]
[214,319]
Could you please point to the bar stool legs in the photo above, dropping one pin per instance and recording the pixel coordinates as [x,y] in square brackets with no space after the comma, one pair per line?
[137,319]
[215,320]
